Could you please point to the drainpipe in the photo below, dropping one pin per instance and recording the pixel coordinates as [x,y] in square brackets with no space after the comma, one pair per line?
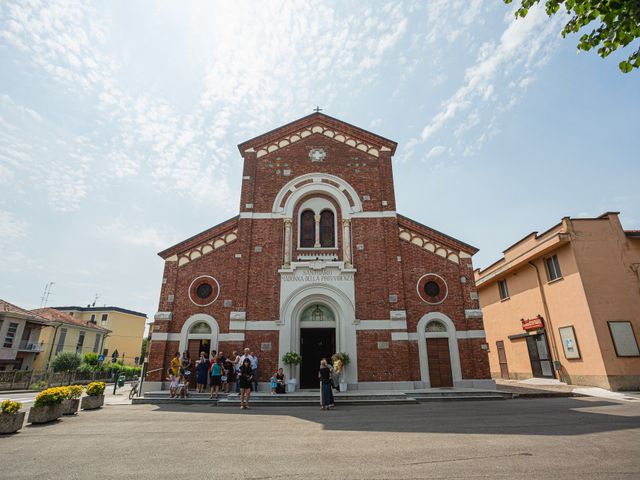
[550,336]
[53,343]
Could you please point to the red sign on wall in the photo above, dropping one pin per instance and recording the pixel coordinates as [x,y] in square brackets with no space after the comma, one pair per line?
[532,323]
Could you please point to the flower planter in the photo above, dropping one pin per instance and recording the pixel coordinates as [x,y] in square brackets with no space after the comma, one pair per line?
[70,406]
[91,402]
[45,414]
[11,422]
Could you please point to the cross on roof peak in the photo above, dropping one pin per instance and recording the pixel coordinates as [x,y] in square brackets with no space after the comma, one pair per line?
[317,109]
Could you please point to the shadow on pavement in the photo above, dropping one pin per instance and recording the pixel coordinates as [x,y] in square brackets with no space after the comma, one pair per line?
[545,416]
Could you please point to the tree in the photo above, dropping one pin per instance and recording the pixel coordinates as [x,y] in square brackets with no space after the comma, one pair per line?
[618,24]
[90,359]
[143,349]
[66,362]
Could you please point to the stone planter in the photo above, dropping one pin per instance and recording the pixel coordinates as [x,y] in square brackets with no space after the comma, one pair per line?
[45,414]
[70,406]
[91,402]
[11,422]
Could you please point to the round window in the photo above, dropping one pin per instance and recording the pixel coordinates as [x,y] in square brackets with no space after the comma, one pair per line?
[431,288]
[204,290]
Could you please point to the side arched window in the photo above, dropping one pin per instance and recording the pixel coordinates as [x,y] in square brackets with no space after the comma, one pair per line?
[307,229]
[327,230]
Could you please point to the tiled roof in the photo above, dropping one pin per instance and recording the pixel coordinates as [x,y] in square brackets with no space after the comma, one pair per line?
[101,309]
[11,308]
[57,316]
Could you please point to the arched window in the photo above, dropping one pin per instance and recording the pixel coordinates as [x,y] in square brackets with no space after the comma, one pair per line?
[307,229]
[327,231]
[201,328]
[435,326]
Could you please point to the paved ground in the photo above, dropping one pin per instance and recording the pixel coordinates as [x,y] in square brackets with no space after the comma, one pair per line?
[549,438]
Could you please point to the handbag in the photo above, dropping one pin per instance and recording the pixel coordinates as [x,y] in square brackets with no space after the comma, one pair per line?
[223,378]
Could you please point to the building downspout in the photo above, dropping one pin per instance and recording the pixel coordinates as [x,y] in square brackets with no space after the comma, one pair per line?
[550,336]
[53,343]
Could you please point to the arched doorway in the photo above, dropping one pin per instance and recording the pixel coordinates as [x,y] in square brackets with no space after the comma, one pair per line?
[317,341]
[438,347]
[199,334]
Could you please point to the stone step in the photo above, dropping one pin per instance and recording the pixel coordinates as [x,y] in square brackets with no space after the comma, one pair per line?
[446,398]
[459,393]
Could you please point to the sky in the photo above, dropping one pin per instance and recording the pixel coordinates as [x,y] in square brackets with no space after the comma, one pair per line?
[119,123]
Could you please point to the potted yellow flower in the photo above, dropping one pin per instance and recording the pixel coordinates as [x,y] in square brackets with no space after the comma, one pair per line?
[11,418]
[72,402]
[95,396]
[48,405]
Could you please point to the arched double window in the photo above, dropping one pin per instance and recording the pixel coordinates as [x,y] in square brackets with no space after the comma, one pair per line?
[327,229]
[307,229]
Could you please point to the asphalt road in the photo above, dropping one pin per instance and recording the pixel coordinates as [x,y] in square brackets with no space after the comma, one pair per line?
[552,438]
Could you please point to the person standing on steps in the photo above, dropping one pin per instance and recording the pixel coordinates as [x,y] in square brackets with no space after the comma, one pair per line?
[254,366]
[185,371]
[245,378]
[326,394]
[216,377]
[202,370]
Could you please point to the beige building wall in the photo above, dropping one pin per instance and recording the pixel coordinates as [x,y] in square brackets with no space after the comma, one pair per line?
[599,283]
[127,331]
[70,343]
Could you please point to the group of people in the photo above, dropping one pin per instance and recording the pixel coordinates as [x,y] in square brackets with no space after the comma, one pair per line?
[221,373]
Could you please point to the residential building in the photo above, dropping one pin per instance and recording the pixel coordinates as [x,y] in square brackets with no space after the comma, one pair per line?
[126,326]
[318,261]
[67,334]
[566,304]
[20,337]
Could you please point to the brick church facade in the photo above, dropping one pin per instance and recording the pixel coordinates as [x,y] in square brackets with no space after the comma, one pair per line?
[318,261]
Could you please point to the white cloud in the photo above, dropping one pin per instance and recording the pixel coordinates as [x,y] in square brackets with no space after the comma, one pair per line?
[135,235]
[436,151]
[523,46]
[11,227]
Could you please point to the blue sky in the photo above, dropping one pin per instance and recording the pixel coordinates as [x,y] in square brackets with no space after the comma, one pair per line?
[119,123]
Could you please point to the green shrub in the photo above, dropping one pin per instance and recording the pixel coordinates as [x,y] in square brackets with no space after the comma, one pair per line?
[96,388]
[51,396]
[90,359]
[291,358]
[86,368]
[66,362]
[39,385]
[10,407]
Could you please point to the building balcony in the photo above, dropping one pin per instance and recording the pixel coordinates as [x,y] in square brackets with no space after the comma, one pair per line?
[27,346]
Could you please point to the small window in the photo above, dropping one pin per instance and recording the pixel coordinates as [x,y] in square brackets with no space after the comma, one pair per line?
[624,340]
[307,229]
[504,290]
[80,343]
[104,318]
[71,314]
[10,336]
[553,268]
[93,318]
[96,343]
[61,339]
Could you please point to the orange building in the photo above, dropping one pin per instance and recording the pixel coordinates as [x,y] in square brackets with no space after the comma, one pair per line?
[566,304]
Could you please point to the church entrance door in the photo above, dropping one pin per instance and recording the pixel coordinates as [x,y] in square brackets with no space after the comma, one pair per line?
[315,344]
[439,362]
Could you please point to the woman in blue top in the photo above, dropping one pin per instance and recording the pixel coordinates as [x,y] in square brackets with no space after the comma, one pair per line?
[202,367]
[216,376]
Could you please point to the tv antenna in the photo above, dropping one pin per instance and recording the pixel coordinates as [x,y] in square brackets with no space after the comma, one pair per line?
[45,295]
[95,300]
